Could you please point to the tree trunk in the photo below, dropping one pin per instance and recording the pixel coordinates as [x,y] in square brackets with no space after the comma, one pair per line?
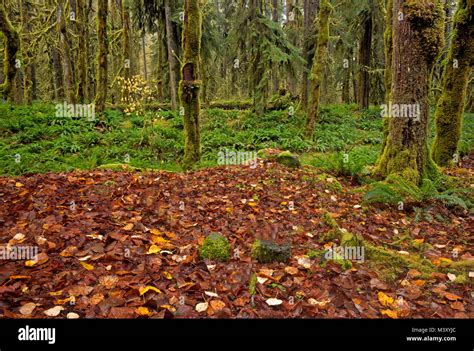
[145,68]
[190,84]
[172,51]
[310,10]
[65,50]
[127,56]
[276,19]
[82,59]
[417,40]
[320,62]
[449,112]
[11,43]
[101,89]
[159,70]
[28,78]
[365,50]
[388,41]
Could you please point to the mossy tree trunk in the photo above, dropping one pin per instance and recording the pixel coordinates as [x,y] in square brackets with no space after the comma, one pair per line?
[365,52]
[388,41]
[65,50]
[309,43]
[418,36]
[11,43]
[190,84]
[101,89]
[29,76]
[82,54]
[449,112]
[320,62]
[172,51]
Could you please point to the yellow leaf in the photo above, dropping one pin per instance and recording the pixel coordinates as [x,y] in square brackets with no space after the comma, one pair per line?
[87,266]
[253,204]
[159,240]
[143,311]
[144,289]
[63,301]
[419,241]
[167,275]
[385,300]
[128,227]
[56,293]
[18,185]
[12,277]
[40,259]
[390,313]
[153,250]
[155,232]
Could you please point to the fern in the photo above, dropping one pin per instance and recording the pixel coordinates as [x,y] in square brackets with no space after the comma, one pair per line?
[396,189]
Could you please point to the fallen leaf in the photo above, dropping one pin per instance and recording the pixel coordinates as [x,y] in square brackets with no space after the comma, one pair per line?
[167,275]
[201,307]
[274,302]
[40,259]
[153,250]
[54,311]
[143,311]
[128,227]
[390,313]
[28,308]
[72,315]
[385,300]
[87,266]
[145,289]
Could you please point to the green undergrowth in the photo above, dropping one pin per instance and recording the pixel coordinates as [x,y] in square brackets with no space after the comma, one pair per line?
[34,140]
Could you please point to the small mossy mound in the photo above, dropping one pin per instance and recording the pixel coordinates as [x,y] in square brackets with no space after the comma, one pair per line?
[265,251]
[216,247]
[288,159]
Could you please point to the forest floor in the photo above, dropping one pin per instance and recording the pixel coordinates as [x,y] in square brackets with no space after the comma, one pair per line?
[125,245]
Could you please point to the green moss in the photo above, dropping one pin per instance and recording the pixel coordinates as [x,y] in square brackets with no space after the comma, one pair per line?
[252,284]
[448,116]
[265,251]
[288,159]
[215,247]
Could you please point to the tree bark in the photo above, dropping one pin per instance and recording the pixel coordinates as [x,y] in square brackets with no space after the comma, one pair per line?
[309,43]
[449,112]
[65,50]
[82,54]
[172,61]
[29,77]
[320,62]
[101,89]
[365,50]
[11,43]
[417,40]
[190,85]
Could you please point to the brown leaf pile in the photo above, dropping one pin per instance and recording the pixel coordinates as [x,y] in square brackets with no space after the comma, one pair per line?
[124,245]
